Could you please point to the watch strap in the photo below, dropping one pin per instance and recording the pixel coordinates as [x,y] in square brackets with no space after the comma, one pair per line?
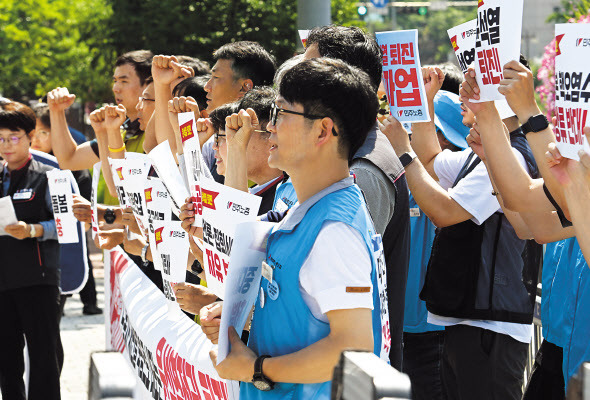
[536,123]
[258,374]
[33,231]
[144,252]
[109,215]
[407,158]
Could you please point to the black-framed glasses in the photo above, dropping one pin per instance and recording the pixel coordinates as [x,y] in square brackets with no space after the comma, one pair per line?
[142,99]
[13,140]
[217,136]
[275,110]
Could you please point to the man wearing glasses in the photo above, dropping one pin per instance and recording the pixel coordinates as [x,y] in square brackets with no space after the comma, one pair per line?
[324,269]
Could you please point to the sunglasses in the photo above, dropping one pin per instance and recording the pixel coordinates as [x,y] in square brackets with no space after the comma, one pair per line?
[275,110]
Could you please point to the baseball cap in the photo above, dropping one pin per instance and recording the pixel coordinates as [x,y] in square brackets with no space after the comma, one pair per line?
[448,119]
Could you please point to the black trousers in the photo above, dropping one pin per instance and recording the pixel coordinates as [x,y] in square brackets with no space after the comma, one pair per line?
[546,382]
[88,293]
[32,312]
[482,364]
[423,363]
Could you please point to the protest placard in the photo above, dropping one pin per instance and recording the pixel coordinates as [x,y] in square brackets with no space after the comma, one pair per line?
[497,41]
[192,159]
[402,75]
[160,344]
[157,204]
[7,214]
[164,164]
[93,200]
[243,279]
[117,165]
[303,34]
[379,257]
[134,176]
[463,41]
[60,190]
[223,209]
[172,244]
[572,88]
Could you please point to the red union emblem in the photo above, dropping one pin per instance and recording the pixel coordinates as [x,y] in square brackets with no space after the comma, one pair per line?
[208,198]
[158,235]
[558,39]
[479,3]
[148,195]
[186,130]
[454,42]
[120,173]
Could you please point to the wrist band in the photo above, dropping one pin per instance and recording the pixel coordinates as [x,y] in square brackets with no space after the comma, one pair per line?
[122,148]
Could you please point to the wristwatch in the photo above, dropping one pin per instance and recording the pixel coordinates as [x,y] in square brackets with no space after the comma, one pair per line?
[109,215]
[33,231]
[260,381]
[536,123]
[407,158]
[144,252]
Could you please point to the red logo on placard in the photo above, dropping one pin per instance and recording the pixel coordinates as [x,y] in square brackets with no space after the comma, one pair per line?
[229,203]
[304,42]
[479,3]
[558,39]
[399,113]
[120,172]
[148,195]
[186,130]
[158,235]
[454,42]
[208,198]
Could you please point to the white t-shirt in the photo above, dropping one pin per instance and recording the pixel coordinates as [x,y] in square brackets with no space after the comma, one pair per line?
[338,259]
[474,194]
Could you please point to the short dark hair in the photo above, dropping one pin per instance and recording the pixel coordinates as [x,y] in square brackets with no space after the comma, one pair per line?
[523,60]
[218,115]
[260,99]
[41,111]
[352,45]
[453,77]
[141,60]
[249,61]
[15,116]
[335,89]
[198,66]
[194,87]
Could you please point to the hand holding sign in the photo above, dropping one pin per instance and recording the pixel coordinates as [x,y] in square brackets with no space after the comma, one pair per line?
[396,134]
[192,298]
[239,363]
[82,209]
[187,216]
[568,171]
[21,230]
[210,317]
[239,128]
[519,89]
[180,105]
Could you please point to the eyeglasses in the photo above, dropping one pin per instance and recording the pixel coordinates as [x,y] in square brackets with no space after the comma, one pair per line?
[142,99]
[275,110]
[14,140]
[216,138]
[42,132]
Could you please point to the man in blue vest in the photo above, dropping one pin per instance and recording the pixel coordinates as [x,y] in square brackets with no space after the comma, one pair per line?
[324,293]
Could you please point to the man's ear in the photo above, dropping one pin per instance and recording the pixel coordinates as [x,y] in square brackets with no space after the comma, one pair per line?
[326,124]
[247,85]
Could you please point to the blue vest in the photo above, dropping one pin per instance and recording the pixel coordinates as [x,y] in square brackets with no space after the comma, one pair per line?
[286,195]
[286,325]
[422,235]
[566,299]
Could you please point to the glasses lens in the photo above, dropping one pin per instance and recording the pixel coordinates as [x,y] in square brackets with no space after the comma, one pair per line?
[274,114]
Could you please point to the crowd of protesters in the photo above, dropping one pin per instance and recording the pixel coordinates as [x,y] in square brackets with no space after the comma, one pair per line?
[461,204]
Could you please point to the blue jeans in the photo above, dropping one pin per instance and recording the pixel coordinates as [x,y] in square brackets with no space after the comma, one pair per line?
[422,362]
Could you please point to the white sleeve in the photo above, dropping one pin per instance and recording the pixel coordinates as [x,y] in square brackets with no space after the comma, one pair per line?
[474,192]
[448,164]
[339,259]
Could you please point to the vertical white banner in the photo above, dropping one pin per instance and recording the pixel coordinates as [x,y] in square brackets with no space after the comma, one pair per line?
[134,176]
[93,201]
[192,159]
[62,202]
[463,41]
[223,209]
[402,75]
[157,204]
[499,26]
[163,161]
[572,88]
[173,248]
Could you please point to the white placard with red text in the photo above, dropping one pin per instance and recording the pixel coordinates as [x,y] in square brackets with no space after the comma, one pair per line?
[117,165]
[243,279]
[164,164]
[62,202]
[463,41]
[93,201]
[402,75]
[303,34]
[192,159]
[173,251]
[167,351]
[223,209]
[379,257]
[499,26]
[572,88]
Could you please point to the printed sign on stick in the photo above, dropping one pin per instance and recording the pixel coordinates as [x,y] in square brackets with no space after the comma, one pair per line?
[62,202]
[192,158]
[572,88]
[463,41]
[223,209]
[497,41]
[402,75]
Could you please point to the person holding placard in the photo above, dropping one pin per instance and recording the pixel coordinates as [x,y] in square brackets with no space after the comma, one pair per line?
[29,260]
[324,268]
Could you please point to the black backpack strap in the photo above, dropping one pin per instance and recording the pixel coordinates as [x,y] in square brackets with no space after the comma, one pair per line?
[467,168]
